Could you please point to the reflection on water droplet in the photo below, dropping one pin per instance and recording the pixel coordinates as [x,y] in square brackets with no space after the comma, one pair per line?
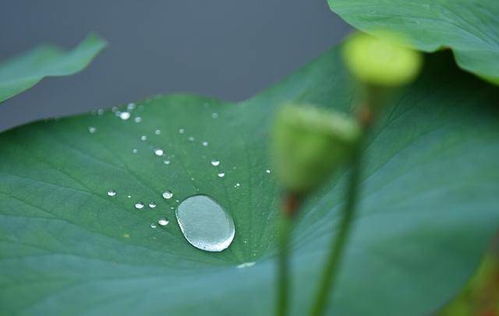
[157,132]
[237,185]
[129,196]
[214,115]
[181,131]
[191,139]
[143,138]
[205,224]
[124,115]
[111,193]
[138,119]
[135,150]
[163,221]
[152,205]
[167,195]
[215,163]
[246,265]
[153,225]
[221,174]
[92,129]
[267,171]
[205,144]
[166,162]
[139,205]
[159,152]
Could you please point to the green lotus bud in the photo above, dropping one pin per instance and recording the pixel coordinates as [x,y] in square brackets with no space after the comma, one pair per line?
[309,144]
[384,60]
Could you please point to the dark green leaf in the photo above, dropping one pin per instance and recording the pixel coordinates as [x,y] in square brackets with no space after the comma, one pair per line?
[22,72]
[429,203]
[469,27]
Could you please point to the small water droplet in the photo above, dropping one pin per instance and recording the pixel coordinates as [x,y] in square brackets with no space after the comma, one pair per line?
[153,225]
[100,111]
[221,174]
[237,185]
[246,265]
[166,162]
[131,106]
[181,130]
[267,171]
[92,129]
[129,196]
[157,132]
[138,119]
[139,205]
[215,163]
[205,144]
[159,152]
[152,205]
[191,139]
[124,115]
[111,193]
[167,195]
[135,150]
[205,224]
[214,115]
[143,138]
[114,109]
[163,221]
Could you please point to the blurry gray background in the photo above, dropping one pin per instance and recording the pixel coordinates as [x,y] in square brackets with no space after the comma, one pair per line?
[229,49]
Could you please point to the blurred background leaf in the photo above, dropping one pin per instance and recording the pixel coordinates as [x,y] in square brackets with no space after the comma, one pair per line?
[22,72]
[469,28]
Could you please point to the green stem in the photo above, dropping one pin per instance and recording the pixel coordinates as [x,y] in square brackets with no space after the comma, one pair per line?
[339,241]
[283,274]
[290,206]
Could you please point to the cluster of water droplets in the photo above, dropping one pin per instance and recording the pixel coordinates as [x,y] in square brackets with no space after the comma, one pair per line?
[218,229]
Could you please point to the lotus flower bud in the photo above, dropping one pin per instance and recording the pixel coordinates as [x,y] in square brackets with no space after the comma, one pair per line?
[309,144]
[383,60]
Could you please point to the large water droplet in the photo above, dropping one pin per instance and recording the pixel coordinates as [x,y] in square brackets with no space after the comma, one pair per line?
[205,224]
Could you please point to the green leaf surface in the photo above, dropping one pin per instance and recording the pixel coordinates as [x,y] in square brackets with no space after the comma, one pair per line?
[428,209]
[469,27]
[23,72]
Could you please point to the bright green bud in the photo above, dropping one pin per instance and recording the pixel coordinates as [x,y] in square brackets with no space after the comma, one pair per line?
[384,60]
[309,144]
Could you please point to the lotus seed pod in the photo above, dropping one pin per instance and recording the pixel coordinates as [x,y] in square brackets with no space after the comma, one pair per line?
[381,60]
[309,144]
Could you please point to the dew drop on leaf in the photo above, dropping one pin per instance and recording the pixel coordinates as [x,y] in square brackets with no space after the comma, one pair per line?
[138,119]
[163,222]
[167,195]
[111,193]
[139,205]
[152,205]
[246,265]
[143,138]
[124,115]
[159,152]
[205,224]
[153,225]
[157,132]
[221,174]
[215,163]
[92,129]
[205,144]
